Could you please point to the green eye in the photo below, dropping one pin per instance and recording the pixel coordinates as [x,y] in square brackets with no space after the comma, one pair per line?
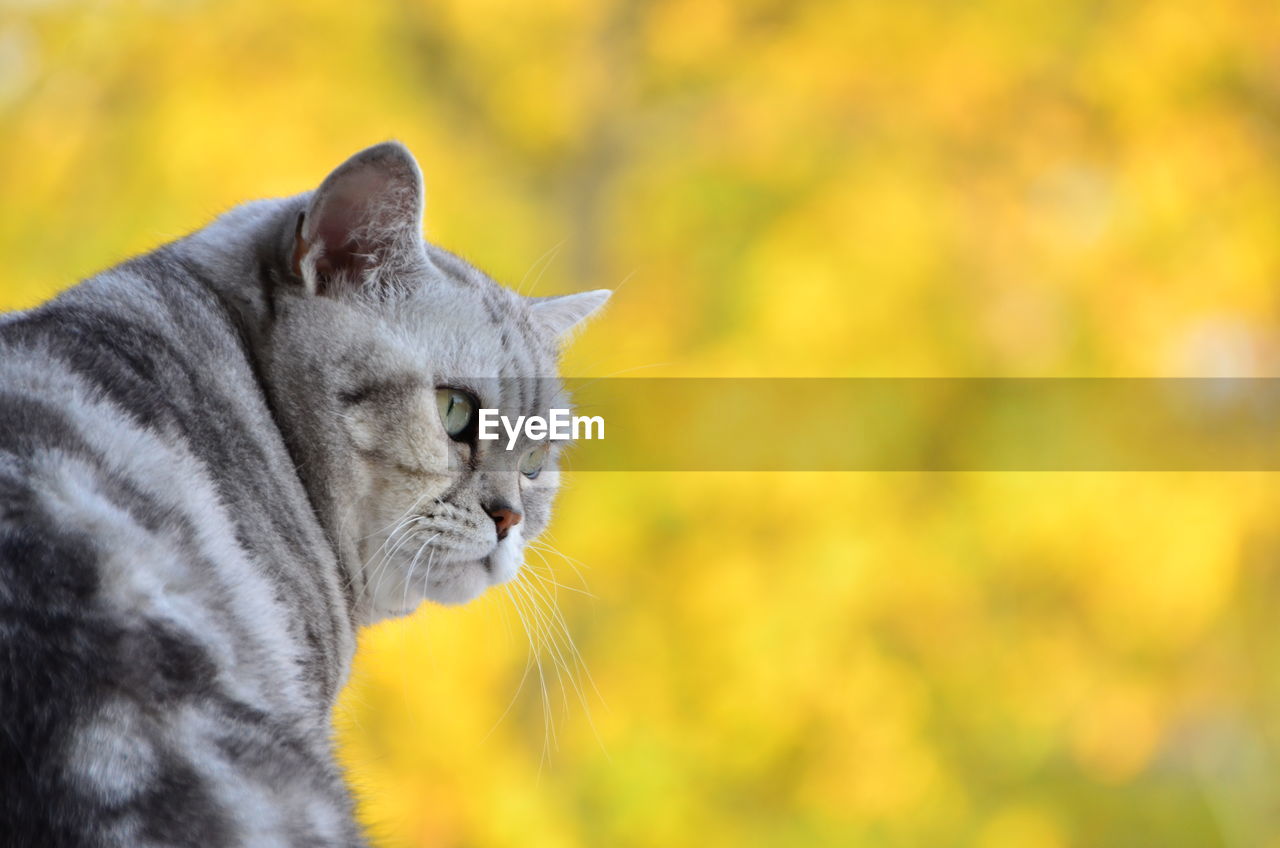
[457,412]
[531,462]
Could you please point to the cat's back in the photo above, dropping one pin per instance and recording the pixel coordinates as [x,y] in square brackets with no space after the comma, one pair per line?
[152,685]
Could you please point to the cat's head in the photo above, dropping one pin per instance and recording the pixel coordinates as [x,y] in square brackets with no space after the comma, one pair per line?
[384,349]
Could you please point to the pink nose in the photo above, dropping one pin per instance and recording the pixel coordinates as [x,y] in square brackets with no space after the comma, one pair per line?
[504,518]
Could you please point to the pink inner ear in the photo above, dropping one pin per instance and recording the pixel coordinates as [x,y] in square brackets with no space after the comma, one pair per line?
[351,206]
[335,229]
[355,216]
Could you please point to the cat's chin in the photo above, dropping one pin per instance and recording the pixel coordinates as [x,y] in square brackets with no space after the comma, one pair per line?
[469,581]
[503,564]
[466,583]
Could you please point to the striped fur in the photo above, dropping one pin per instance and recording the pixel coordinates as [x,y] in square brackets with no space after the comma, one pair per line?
[219,460]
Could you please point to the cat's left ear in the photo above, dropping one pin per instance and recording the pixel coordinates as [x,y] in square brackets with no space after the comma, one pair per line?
[566,313]
[367,213]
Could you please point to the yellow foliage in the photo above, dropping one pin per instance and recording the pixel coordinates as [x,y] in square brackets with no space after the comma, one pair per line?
[775,188]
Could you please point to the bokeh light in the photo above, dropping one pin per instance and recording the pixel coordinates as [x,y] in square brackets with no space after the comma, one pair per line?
[775,188]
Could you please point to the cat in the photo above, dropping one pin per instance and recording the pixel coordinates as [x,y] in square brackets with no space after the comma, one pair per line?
[218,460]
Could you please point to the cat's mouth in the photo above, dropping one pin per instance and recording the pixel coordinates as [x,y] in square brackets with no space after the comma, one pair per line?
[503,564]
[457,575]
[464,580]
[446,565]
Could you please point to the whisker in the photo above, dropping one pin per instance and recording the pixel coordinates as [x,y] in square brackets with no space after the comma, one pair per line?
[402,517]
[554,617]
[380,571]
[547,257]
[404,603]
[543,624]
[550,741]
[549,578]
[572,647]
[528,663]
[548,728]
[577,565]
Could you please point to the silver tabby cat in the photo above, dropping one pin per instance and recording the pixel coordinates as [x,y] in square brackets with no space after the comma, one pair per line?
[217,461]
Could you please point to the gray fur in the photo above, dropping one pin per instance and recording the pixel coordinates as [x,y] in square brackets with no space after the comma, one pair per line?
[217,462]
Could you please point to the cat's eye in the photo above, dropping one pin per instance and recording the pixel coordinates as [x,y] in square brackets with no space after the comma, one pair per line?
[457,412]
[531,462]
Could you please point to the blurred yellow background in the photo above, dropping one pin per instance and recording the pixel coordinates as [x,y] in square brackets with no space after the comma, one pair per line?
[989,188]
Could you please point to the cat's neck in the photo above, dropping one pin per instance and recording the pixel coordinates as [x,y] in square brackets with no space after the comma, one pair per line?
[243,256]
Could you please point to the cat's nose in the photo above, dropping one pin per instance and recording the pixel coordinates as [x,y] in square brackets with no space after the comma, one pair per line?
[504,518]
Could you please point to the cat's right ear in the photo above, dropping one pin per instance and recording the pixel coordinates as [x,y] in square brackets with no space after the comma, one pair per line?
[366,215]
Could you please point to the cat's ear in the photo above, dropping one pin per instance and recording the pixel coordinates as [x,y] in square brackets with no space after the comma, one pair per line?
[562,314]
[366,214]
